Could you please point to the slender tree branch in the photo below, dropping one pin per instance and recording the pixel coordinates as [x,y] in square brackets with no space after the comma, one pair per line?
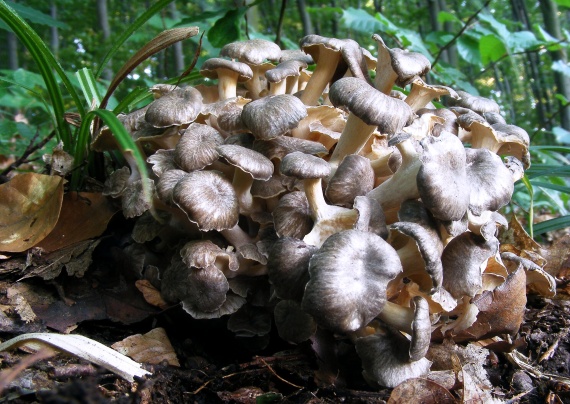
[456,37]
[280,23]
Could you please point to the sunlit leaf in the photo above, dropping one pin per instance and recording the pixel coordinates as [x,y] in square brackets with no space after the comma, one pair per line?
[227,29]
[468,49]
[491,48]
[444,16]
[561,67]
[29,208]
[522,40]
[564,3]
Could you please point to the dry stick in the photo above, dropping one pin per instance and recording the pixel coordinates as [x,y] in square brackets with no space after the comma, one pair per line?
[194,61]
[29,150]
[456,37]
[279,377]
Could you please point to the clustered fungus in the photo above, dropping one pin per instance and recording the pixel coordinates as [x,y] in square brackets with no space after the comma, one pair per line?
[368,219]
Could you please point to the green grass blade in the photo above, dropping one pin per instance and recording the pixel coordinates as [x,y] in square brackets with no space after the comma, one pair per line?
[539,170]
[88,86]
[552,225]
[548,185]
[559,149]
[528,186]
[130,29]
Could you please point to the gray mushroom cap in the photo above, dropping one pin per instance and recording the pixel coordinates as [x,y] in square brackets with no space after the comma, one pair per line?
[349,275]
[353,177]
[208,199]
[178,107]
[253,51]
[304,166]
[166,183]
[273,116]
[196,148]
[295,54]
[292,216]
[491,182]
[370,105]
[212,66]
[442,179]
[475,103]
[408,65]
[284,70]
[292,323]
[462,259]
[247,160]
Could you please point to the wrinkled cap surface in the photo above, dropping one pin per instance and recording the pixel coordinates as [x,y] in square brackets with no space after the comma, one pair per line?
[196,148]
[304,166]
[211,69]
[253,51]
[273,115]
[349,274]
[370,105]
[177,107]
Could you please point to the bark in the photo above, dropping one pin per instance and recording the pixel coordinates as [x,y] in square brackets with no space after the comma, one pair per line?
[177,52]
[13,61]
[54,34]
[552,25]
[103,17]
[305,18]
[532,68]
[451,52]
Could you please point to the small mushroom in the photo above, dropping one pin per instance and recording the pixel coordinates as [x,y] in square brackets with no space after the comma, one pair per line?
[228,73]
[178,107]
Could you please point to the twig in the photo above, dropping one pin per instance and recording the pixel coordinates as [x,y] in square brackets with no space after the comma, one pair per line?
[279,377]
[29,150]
[194,61]
[456,37]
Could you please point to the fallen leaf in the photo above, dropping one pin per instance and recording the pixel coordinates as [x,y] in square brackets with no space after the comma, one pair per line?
[29,208]
[83,216]
[151,294]
[153,347]
[420,390]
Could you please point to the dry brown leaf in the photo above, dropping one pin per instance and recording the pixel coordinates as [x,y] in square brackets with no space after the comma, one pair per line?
[83,216]
[151,294]
[420,391]
[29,208]
[153,347]
[22,297]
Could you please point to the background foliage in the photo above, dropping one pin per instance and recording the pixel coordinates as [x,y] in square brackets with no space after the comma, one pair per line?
[514,52]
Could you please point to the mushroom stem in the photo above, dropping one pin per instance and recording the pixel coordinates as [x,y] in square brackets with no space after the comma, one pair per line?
[227,84]
[236,236]
[402,185]
[326,66]
[354,136]
[242,182]
[277,88]
[397,316]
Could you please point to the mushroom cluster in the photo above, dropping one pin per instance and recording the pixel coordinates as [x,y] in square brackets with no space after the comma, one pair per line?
[323,200]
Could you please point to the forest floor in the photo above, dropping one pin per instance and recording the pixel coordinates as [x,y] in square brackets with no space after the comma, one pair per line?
[531,366]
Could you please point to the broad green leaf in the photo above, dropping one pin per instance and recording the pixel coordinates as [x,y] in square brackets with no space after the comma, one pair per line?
[35,16]
[546,37]
[491,48]
[561,134]
[468,49]
[228,28]
[206,15]
[500,28]
[521,41]
[561,98]
[444,16]
[561,67]
[552,225]
[563,3]
[359,20]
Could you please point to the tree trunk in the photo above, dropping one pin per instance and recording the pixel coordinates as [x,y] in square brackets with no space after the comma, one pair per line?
[451,52]
[535,77]
[54,37]
[433,7]
[103,18]
[13,62]
[177,52]
[305,18]
[552,25]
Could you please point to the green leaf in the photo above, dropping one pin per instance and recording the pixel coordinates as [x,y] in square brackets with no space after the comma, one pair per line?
[561,67]
[549,185]
[491,48]
[560,149]
[35,16]
[562,99]
[206,15]
[468,49]
[552,225]
[359,20]
[563,3]
[227,29]
[551,42]
[444,16]
[499,28]
[128,31]
[89,87]
[521,41]
[561,134]
[539,170]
